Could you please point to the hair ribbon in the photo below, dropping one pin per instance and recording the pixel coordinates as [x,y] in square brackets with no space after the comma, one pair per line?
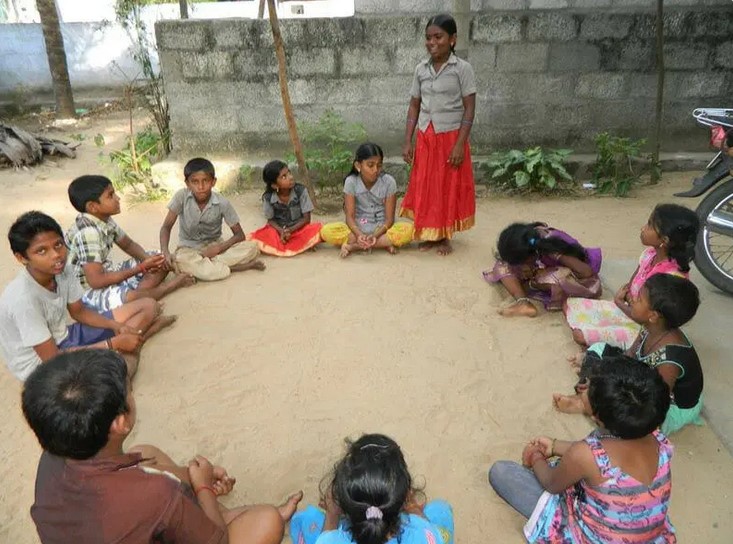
[373,512]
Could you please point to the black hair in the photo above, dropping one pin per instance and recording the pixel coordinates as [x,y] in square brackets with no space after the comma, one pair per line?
[199,165]
[363,152]
[520,241]
[679,225]
[270,173]
[373,473]
[87,189]
[628,397]
[27,226]
[446,22]
[71,400]
[675,299]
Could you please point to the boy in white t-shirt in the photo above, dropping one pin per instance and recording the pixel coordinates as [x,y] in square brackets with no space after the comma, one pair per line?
[33,306]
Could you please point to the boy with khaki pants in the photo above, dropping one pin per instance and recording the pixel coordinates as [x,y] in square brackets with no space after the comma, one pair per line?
[202,252]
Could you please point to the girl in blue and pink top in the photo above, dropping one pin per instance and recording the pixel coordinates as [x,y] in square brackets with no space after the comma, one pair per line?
[370,499]
[613,486]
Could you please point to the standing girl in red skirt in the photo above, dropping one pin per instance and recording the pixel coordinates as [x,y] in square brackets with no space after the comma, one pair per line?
[287,208]
[441,196]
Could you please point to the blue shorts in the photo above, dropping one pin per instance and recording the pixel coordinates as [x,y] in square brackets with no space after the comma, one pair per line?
[83,335]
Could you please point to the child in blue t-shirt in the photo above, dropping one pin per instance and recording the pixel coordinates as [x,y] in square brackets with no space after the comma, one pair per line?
[370,499]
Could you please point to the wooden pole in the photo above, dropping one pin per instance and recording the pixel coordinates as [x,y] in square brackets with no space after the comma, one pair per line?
[462,15]
[287,105]
[656,171]
[261,10]
[183,5]
[56,55]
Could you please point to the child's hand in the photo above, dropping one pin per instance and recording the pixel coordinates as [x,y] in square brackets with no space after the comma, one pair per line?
[125,329]
[363,241]
[285,235]
[200,472]
[455,159]
[169,264]
[529,454]
[544,443]
[154,263]
[126,342]
[223,483]
[211,251]
[407,153]
[622,295]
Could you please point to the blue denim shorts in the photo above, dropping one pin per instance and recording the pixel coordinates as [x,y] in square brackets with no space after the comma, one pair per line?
[84,335]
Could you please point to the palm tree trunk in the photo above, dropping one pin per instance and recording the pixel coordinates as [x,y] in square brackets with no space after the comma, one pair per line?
[261,10]
[656,171]
[287,106]
[56,58]
[183,7]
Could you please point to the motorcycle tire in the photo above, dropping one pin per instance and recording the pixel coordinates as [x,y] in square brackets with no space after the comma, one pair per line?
[706,258]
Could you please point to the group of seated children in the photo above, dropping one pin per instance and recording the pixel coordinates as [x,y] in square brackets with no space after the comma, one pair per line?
[612,486]
[535,261]
[114,305]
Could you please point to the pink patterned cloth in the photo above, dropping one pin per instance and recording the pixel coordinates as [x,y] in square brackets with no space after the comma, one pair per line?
[602,320]
[620,510]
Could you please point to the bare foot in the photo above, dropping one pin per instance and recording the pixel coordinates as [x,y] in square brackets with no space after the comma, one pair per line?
[568,404]
[391,250]
[519,309]
[579,337]
[445,247]
[345,250]
[427,246]
[182,280]
[158,324]
[255,265]
[288,508]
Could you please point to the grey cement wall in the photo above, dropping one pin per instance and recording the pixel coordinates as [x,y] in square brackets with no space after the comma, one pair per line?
[386,7]
[545,77]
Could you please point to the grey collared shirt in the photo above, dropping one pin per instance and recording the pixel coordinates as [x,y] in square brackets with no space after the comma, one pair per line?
[441,94]
[197,227]
[370,203]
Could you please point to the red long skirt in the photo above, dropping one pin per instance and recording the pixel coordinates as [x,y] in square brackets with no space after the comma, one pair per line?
[440,199]
[269,241]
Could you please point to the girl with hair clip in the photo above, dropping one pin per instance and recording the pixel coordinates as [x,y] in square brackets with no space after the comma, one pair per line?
[669,235]
[440,197]
[370,499]
[287,208]
[535,261]
[614,485]
[370,201]
[665,303]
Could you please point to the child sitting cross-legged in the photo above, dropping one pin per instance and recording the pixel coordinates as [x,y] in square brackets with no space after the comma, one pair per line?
[202,252]
[90,489]
[33,306]
[287,208]
[613,486]
[663,305]
[91,239]
[370,201]
[370,499]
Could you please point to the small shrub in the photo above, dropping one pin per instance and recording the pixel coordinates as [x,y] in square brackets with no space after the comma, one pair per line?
[529,171]
[327,146]
[613,170]
[132,165]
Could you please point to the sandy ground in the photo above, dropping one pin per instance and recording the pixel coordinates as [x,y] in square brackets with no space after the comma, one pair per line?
[266,373]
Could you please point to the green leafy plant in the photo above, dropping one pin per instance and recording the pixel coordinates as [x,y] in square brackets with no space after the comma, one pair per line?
[132,165]
[613,171]
[531,170]
[327,145]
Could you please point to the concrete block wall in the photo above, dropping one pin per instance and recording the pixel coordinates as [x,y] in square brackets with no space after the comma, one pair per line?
[552,77]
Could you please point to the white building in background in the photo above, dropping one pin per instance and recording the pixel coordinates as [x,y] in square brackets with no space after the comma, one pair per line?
[98,49]
[94,11]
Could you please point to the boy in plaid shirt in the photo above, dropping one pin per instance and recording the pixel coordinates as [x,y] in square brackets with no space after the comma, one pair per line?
[109,285]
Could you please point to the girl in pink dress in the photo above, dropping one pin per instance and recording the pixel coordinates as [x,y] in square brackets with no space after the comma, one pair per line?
[670,236]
